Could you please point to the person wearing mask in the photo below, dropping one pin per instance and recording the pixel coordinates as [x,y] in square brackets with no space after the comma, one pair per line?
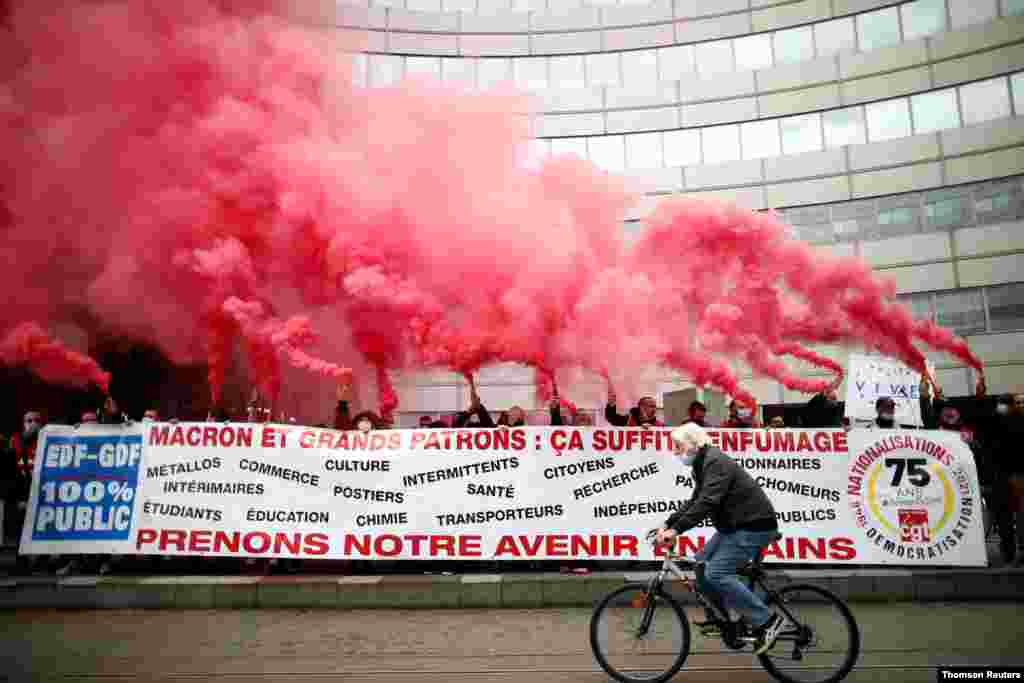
[885,414]
[478,417]
[777,422]
[89,417]
[644,414]
[741,416]
[1005,433]
[426,421]
[151,415]
[367,421]
[745,523]
[697,414]
[824,410]
[556,407]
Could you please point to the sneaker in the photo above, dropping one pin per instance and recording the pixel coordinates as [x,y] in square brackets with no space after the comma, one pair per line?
[767,634]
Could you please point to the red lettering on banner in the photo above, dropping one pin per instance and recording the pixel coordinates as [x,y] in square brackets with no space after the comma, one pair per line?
[248,542]
[783,441]
[209,436]
[194,436]
[839,442]
[625,544]
[439,543]
[507,546]
[804,442]
[144,537]
[395,545]
[469,546]
[730,441]
[842,549]
[222,540]
[317,544]
[463,440]
[177,438]
[199,542]
[815,547]
[557,546]
[746,439]
[293,545]
[269,439]
[822,442]
[158,436]
[175,537]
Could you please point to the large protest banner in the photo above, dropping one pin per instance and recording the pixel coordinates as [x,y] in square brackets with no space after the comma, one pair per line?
[867,497]
[870,377]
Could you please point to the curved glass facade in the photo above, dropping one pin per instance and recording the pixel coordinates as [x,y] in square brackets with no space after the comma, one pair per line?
[891,131]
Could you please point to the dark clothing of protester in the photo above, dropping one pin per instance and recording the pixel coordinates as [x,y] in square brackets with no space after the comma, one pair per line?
[819,413]
[462,419]
[342,418]
[727,494]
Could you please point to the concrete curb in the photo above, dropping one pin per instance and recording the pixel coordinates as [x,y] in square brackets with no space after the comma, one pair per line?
[467,591]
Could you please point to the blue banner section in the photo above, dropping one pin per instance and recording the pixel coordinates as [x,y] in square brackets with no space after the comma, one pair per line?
[87,488]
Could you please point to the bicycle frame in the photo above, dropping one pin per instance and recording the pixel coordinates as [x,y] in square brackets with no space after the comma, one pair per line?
[670,566]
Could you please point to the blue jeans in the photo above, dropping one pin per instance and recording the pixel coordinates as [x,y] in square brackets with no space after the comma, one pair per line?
[722,555]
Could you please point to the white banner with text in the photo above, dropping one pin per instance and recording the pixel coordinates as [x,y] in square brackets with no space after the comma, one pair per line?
[251,490]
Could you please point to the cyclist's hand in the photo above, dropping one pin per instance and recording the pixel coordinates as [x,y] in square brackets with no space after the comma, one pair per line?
[665,536]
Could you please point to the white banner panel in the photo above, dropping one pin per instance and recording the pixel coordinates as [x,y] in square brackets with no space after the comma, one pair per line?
[869,378]
[534,493]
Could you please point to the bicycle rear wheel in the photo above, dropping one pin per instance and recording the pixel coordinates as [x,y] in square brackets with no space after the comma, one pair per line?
[626,650]
[822,647]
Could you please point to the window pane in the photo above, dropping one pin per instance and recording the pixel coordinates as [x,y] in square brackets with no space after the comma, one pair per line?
[676,62]
[834,36]
[985,101]
[531,72]
[603,69]
[794,45]
[899,215]
[998,202]
[963,311]
[878,29]
[935,111]
[971,12]
[577,146]
[923,18]
[801,134]
[844,127]
[1006,307]
[607,152]
[385,70]
[721,143]
[754,52]
[888,120]
[946,209]
[640,66]
[459,70]
[1017,83]
[1012,7]
[714,58]
[423,67]
[760,139]
[492,72]
[682,148]
[643,150]
[567,72]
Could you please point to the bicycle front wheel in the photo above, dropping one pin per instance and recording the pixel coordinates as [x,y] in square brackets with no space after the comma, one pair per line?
[640,637]
[820,641]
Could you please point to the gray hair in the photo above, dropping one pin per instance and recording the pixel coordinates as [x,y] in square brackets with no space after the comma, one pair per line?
[691,435]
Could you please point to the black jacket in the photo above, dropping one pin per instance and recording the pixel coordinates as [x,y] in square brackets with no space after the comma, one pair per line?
[727,494]
[462,419]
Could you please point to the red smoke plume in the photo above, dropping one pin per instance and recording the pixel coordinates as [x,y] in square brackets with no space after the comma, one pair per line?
[29,345]
[197,175]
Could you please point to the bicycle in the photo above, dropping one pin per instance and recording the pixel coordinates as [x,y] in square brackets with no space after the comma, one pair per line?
[836,633]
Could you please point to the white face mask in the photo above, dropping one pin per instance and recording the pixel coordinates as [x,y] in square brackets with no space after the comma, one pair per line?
[886,417]
[1002,409]
[687,457]
[364,425]
[743,413]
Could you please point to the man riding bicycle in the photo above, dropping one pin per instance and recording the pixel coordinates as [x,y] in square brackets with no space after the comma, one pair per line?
[744,521]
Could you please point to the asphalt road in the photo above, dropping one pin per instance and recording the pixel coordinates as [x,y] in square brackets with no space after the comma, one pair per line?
[900,642]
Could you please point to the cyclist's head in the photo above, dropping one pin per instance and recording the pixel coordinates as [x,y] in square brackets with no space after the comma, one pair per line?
[688,439]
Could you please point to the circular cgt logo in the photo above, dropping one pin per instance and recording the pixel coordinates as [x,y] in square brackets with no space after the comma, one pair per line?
[911,496]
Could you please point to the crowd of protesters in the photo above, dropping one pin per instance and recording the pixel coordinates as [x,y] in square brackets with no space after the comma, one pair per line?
[993,433]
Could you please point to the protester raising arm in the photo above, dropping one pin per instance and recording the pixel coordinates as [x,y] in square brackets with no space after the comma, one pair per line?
[476,409]
[611,415]
[342,417]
